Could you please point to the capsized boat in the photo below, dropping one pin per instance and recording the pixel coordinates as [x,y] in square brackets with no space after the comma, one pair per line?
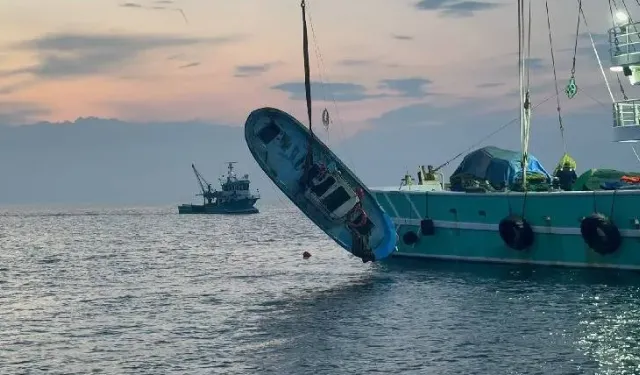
[316,180]
[325,189]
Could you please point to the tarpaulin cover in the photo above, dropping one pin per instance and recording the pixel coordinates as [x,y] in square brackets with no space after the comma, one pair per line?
[498,166]
[598,179]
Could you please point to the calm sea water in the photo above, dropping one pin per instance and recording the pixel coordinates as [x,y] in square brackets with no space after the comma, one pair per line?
[147,291]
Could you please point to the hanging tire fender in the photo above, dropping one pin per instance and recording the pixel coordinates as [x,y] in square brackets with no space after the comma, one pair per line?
[410,238]
[516,232]
[600,234]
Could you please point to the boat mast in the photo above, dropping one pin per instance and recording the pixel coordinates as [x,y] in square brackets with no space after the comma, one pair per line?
[525,103]
[307,83]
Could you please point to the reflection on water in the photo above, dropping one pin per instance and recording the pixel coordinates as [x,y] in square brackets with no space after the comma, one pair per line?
[143,290]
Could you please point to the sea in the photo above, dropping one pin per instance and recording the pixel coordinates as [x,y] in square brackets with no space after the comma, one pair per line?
[143,290]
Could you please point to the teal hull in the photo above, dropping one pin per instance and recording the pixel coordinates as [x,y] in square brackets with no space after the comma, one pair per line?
[466,226]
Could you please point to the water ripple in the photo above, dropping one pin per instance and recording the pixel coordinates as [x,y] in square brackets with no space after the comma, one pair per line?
[147,291]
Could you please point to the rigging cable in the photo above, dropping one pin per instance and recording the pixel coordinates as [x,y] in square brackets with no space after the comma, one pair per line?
[555,78]
[612,5]
[333,99]
[525,98]
[595,51]
[307,85]
[572,89]
[521,65]
[628,14]
[316,50]
[498,130]
[624,95]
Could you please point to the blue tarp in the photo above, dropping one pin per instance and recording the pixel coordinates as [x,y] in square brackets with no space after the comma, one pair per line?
[497,166]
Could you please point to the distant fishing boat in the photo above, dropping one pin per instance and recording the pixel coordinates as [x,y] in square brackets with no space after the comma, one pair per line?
[234,198]
[316,180]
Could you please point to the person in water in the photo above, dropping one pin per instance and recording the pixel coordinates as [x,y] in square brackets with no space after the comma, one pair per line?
[566,176]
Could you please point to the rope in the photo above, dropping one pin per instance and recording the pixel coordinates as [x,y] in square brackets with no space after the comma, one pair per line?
[502,127]
[520,42]
[575,46]
[524,203]
[593,45]
[316,50]
[613,204]
[529,49]
[324,78]
[555,77]
[523,68]
[426,204]
[572,89]
[624,95]
[307,84]
[635,153]
[624,4]
[606,106]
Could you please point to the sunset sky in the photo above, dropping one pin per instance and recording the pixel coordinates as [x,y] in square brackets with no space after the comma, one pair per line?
[144,61]
[416,82]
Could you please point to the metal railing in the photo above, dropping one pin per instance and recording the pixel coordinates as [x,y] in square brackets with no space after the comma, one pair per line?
[626,113]
[624,44]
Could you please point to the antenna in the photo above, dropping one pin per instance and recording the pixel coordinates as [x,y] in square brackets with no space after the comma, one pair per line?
[231,163]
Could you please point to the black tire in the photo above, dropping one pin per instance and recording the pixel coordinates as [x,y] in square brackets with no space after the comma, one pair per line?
[410,238]
[600,234]
[516,232]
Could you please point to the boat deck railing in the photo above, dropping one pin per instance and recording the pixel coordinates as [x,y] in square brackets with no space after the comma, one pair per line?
[626,113]
[624,44]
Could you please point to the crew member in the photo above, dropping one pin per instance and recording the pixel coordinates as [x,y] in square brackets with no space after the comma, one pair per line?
[566,176]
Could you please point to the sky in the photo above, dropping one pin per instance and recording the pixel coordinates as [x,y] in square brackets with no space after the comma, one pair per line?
[438,74]
[143,60]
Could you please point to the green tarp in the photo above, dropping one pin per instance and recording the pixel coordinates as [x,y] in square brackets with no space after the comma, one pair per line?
[593,179]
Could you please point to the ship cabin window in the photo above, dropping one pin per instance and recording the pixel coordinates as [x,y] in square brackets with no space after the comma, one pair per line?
[269,132]
[323,186]
[337,198]
[236,187]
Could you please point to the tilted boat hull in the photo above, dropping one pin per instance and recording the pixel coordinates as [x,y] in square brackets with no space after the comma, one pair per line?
[466,226]
[279,144]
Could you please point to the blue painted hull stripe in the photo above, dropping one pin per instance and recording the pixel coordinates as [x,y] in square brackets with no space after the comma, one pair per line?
[494,227]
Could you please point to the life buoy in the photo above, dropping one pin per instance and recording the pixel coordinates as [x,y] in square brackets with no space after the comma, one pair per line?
[600,234]
[410,238]
[516,232]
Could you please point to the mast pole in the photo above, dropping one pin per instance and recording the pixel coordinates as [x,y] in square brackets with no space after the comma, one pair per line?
[307,81]
[524,92]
